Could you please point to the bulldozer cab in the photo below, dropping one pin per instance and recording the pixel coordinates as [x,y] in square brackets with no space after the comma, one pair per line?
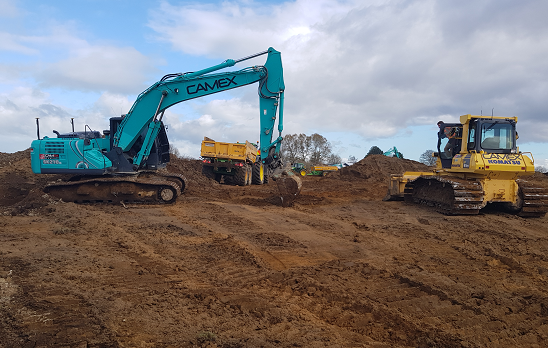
[449,142]
[488,135]
[492,136]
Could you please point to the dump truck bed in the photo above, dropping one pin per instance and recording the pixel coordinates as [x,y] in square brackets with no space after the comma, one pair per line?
[232,151]
[324,168]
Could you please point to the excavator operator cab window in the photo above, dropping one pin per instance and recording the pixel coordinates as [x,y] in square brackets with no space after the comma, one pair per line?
[497,137]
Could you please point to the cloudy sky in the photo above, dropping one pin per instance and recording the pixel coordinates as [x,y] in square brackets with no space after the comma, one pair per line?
[359,72]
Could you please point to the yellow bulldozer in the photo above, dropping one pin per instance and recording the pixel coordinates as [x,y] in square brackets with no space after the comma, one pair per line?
[478,163]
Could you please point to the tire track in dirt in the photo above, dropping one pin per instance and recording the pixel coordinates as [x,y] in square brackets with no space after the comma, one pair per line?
[48,312]
[402,310]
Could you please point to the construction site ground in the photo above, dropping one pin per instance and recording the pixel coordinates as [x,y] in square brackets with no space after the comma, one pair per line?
[228,266]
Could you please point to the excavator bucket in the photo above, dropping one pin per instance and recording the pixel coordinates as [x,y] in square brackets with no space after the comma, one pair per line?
[289,185]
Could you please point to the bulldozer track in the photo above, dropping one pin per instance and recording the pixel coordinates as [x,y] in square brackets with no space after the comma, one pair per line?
[448,195]
[535,200]
[453,196]
[145,187]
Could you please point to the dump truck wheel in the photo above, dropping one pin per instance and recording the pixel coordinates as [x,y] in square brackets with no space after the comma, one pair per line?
[229,179]
[240,176]
[257,175]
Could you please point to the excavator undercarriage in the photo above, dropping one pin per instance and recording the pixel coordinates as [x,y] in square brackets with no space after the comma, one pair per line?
[143,187]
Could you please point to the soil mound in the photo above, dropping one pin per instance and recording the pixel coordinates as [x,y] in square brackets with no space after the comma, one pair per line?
[21,191]
[197,183]
[366,179]
[378,168]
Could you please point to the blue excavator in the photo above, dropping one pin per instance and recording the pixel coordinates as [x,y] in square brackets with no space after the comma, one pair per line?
[393,152]
[122,164]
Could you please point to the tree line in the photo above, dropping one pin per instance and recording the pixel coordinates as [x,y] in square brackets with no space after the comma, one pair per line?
[302,148]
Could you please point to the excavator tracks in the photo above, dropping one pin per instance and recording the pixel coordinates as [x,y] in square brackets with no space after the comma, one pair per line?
[535,200]
[144,187]
[450,196]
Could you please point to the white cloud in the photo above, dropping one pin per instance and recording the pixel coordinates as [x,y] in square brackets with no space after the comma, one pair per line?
[222,120]
[8,8]
[377,67]
[14,43]
[20,107]
[99,68]
[67,61]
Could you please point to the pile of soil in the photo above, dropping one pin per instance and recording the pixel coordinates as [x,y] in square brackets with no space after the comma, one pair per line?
[21,191]
[377,168]
[365,180]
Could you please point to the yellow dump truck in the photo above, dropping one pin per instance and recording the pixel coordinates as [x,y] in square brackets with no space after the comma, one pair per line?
[235,162]
[322,170]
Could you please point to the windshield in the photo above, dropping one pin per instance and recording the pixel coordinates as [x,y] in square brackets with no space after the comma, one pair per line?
[497,136]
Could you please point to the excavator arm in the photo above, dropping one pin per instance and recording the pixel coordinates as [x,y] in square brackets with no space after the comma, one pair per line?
[147,111]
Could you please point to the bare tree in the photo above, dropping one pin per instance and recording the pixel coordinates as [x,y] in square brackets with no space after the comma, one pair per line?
[289,148]
[320,148]
[427,158]
[333,159]
[304,147]
[173,151]
[313,149]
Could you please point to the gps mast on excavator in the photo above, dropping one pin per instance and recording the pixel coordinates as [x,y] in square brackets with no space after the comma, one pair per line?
[121,164]
[478,163]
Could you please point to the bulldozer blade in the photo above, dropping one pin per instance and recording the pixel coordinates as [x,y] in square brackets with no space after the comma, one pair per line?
[289,186]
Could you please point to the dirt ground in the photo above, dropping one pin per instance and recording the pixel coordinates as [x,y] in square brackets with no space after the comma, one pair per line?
[227,266]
